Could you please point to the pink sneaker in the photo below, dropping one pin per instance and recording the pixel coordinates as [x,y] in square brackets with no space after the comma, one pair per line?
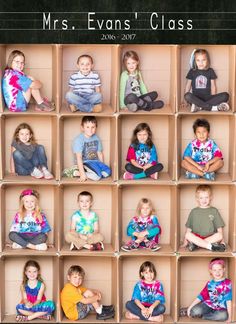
[128,176]
[154,176]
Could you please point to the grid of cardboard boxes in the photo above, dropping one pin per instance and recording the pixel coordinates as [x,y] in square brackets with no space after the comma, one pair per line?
[183,273]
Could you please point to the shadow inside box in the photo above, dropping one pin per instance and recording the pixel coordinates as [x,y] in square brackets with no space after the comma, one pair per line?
[162,177]
[220,177]
[165,249]
[166,110]
[204,252]
[188,320]
[187,111]
[106,110]
[17,178]
[108,249]
[103,181]
[30,110]
[12,319]
[8,250]
[167,319]
[91,318]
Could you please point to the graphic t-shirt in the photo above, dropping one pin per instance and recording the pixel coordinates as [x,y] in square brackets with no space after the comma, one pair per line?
[88,147]
[204,221]
[13,84]
[142,154]
[29,225]
[202,152]
[216,293]
[132,85]
[147,293]
[84,225]
[201,82]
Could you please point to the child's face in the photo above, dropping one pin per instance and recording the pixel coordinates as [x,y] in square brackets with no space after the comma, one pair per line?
[29,202]
[217,271]
[31,273]
[75,279]
[142,136]
[89,129]
[201,61]
[203,199]
[131,65]
[147,275]
[202,134]
[85,65]
[84,202]
[18,63]
[24,135]
[145,210]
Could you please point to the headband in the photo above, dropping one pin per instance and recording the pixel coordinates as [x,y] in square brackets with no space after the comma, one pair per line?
[28,192]
[220,261]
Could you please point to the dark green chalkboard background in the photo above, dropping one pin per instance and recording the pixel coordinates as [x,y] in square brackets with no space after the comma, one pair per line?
[214,22]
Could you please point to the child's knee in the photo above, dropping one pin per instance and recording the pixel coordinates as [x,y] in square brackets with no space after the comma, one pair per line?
[88,293]
[196,311]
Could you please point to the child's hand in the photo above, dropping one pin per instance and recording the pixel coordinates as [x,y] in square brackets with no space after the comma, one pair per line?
[185,243]
[188,311]
[28,304]
[150,310]
[145,312]
[206,167]
[83,237]
[83,177]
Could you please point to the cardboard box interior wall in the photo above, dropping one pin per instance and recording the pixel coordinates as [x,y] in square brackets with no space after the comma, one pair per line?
[48,203]
[40,63]
[12,279]
[104,204]
[105,63]
[222,59]
[158,69]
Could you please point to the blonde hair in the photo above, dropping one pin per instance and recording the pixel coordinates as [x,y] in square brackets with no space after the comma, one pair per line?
[133,55]
[11,57]
[24,126]
[203,188]
[31,263]
[22,211]
[144,201]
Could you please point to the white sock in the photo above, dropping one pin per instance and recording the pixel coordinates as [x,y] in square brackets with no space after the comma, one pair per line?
[209,246]
[99,310]
[214,108]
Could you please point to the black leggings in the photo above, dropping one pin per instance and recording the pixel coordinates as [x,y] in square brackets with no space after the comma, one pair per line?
[212,100]
[144,102]
[136,170]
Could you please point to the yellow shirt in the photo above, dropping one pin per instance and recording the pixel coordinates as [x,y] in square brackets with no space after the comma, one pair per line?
[70,296]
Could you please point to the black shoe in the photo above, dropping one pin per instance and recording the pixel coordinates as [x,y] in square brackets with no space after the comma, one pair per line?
[218,247]
[108,308]
[106,314]
[192,247]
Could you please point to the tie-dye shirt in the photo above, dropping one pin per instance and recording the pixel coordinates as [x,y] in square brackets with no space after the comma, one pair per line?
[84,225]
[29,225]
[216,293]
[202,152]
[14,83]
[140,224]
[142,154]
[147,293]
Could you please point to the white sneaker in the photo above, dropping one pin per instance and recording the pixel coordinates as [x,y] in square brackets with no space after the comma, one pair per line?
[47,174]
[41,247]
[16,246]
[37,173]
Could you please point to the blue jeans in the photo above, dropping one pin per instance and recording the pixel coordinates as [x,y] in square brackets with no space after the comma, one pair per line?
[100,168]
[23,239]
[24,166]
[207,313]
[134,309]
[84,102]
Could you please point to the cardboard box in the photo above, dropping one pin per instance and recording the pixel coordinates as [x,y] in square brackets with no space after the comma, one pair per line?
[222,59]
[105,64]
[158,69]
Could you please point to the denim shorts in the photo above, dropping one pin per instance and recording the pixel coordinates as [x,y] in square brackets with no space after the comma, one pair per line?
[84,309]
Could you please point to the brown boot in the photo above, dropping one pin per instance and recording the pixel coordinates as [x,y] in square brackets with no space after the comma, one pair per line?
[97,108]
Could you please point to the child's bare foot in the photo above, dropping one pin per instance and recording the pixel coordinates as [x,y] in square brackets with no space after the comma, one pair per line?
[158,318]
[129,315]
[154,176]
[97,108]
[46,317]
[21,318]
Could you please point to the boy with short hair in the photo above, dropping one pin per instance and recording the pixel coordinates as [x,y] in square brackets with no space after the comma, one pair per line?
[204,227]
[77,301]
[87,148]
[84,94]
[202,157]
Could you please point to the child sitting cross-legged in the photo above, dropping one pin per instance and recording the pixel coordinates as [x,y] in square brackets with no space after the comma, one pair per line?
[204,227]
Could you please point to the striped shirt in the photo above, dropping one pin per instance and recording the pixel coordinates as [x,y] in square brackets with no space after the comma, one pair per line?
[84,83]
